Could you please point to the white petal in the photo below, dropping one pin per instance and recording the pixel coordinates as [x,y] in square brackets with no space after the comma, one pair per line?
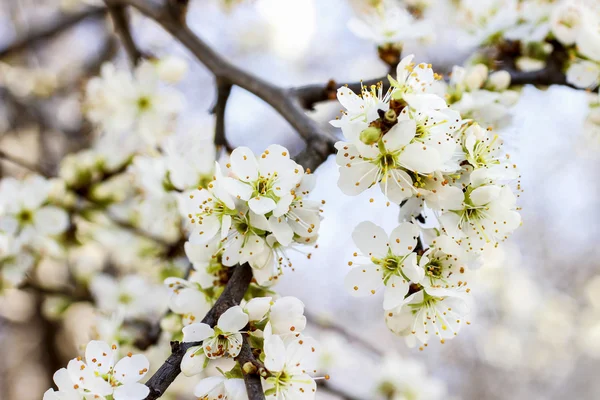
[131,369]
[262,205]
[207,385]
[282,231]
[237,188]
[51,220]
[370,239]
[484,194]
[412,270]
[233,320]
[197,332]
[403,238]
[257,308]
[400,135]
[193,361]
[274,353]
[131,391]
[363,280]
[99,356]
[236,389]
[395,290]
[243,164]
[421,158]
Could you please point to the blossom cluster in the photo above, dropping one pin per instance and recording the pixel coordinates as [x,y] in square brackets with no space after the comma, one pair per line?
[426,158]
[30,226]
[101,376]
[255,213]
[274,329]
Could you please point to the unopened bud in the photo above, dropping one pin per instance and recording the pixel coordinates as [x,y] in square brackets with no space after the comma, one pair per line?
[476,77]
[498,81]
[249,368]
[391,116]
[171,69]
[370,135]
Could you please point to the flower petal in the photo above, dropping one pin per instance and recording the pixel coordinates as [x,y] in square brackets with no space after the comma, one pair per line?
[370,239]
[197,332]
[363,280]
[233,320]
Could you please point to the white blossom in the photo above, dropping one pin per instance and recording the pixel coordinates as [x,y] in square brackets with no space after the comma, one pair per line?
[388,23]
[391,262]
[99,376]
[224,339]
[288,366]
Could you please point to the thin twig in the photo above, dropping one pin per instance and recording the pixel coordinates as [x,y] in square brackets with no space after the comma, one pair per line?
[283,100]
[38,169]
[47,32]
[223,92]
[231,296]
[118,14]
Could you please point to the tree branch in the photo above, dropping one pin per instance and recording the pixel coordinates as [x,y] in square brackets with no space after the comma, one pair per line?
[283,100]
[47,32]
[252,370]
[118,14]
[223,92]
[24,164]
[231,296]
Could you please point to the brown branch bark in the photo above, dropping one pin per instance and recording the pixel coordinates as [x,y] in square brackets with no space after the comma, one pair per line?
[223,92]
[118,14]
[283,100]
[49,31]
[231,296]
[252,370]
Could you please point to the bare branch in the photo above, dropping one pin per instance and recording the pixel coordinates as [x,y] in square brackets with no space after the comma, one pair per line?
[118,14]
[49,31]
[282,100]
[252,370]
[231,296]
[24,164]
[223,92]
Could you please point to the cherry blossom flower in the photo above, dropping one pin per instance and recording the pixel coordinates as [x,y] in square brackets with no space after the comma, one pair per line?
[484,213]
[221,388]
[128,296]
[26,215]
[98,376]
[266,183]
[388,23]
[288,366]
[431,312]
[391,262]
[361,109]
[120,102]
[224,339]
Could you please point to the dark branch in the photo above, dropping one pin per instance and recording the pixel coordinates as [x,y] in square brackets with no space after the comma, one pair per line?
[252,370]
[231,296]
[49,31]
[282,100]
[118,14]
[223,92]
[24,164]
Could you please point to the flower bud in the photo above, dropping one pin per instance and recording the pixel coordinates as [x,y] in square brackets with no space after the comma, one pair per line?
[370,135]
[498,81]
[171,69]
[391,116]
[476,77]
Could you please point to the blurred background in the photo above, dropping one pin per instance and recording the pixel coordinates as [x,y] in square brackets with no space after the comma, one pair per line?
[535,331]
